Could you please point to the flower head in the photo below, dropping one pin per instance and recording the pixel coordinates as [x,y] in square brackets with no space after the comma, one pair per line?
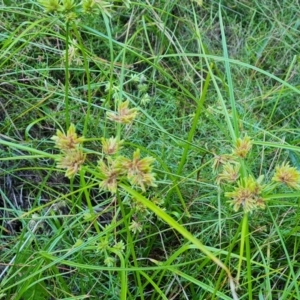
[242,146]
[142,87]
[51,5]
[139,171]
[145,99]
[247,194]
[68,5]
[103,245]
[96,7]
[287,175]
[136,227]
[119,246]
[230,173]
[220,160]
[124,115]
[73,55]
[111,146]
[110,171]
[109,261]
[69,141]
[72,161]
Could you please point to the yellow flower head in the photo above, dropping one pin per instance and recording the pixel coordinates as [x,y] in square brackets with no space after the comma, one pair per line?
[110,172]
[111,146]
[220,160]
[51,5]
[72,161]
[69,141]
[139,171]
[230,173]
[247,194]
[242,147]
[124,115]
[287,175]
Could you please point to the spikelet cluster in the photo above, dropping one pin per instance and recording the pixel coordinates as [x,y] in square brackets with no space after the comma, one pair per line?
[70,146]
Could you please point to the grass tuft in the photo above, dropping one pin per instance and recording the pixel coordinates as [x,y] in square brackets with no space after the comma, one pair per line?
[149,150]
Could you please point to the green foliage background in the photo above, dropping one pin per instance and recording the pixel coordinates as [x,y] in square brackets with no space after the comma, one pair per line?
[201,77]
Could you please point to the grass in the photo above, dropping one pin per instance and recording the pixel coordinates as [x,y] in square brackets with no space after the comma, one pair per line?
[216,89]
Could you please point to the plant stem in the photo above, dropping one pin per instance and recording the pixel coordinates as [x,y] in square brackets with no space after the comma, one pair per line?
[67,116]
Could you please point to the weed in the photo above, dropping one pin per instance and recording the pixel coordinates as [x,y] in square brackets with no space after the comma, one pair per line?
[149,150]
